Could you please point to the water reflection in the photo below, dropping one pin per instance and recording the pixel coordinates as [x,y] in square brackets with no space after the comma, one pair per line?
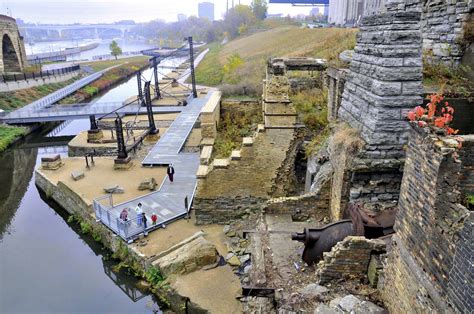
[44,267]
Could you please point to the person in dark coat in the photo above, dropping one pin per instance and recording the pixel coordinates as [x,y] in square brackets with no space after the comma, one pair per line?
[144,219]
[170,172]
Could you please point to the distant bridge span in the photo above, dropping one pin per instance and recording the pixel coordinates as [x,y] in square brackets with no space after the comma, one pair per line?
[304,2]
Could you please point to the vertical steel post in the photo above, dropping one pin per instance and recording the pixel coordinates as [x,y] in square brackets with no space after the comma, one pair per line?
[155,73]
[139,83]
[93,121]
[122,151]
[191,62]
[149,109]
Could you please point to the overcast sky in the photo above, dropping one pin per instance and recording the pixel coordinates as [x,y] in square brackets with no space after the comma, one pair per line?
[106,11]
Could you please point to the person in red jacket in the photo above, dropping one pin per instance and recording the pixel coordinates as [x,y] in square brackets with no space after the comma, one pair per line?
[154,218]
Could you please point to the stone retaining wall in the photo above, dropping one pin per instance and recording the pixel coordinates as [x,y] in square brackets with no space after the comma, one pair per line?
[431,225]
[301,208]
[16,85]
[350,257]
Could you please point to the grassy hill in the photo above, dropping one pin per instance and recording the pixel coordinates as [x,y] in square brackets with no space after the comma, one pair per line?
[242,61]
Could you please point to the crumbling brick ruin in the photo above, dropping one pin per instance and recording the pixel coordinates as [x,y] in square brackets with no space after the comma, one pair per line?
[425,176]
[430,265]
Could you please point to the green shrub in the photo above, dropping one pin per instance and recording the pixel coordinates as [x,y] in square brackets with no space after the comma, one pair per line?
[154,276]
[85,227]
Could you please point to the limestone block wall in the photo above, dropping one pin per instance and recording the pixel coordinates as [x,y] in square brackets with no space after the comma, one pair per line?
[301,208]
[431,226]
[442,24]
[227,193]
[9,33]
[385,81]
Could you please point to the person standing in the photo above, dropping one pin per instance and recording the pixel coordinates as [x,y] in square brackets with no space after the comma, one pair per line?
[139,212]
[124,215]
[154,218]
[170,172]
[144,220]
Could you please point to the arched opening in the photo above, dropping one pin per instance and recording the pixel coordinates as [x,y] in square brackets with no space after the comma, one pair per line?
[10,58]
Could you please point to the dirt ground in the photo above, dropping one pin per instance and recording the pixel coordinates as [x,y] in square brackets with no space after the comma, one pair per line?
[215,290]
[162,239]
[101,175]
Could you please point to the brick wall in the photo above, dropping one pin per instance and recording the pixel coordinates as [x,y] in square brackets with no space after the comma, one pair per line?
[429,225]
[349,257]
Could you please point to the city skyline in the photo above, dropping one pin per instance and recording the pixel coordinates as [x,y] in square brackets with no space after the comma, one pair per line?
[109,11]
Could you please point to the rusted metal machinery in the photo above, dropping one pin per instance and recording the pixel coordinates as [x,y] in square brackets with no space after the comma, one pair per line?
[320,240]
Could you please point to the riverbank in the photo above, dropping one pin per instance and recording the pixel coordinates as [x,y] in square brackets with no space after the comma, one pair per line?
[119,74]
[10,134]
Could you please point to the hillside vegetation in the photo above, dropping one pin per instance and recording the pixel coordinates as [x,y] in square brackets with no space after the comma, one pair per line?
[241,62]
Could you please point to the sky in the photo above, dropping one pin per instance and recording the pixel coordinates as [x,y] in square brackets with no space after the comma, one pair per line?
[108,11]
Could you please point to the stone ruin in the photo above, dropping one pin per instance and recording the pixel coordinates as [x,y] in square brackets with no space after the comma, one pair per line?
[426,176]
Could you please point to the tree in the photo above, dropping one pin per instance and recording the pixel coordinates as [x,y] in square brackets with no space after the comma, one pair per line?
[259,9]
[237,19]
[115,50]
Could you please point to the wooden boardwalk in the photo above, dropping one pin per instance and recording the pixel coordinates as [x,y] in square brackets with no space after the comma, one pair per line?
[168,203]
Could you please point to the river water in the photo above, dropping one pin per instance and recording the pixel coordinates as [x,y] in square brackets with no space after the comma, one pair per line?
[46,264]
[103,48]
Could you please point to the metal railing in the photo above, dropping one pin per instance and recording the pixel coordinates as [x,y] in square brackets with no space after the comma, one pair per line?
[36,75]
[127,230]
[65,91]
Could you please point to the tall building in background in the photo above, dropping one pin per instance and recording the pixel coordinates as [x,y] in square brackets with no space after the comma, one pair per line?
[182,17]
[206,10]
[314,11]
[349,12]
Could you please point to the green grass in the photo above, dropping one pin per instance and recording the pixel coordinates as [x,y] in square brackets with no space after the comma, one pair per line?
[448,79]
[311,106]
[232,129]
[281,41]
[210,72]
[102,65]
[8,134]
[17,99]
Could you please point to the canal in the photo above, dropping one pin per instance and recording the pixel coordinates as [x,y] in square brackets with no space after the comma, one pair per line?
[46,264]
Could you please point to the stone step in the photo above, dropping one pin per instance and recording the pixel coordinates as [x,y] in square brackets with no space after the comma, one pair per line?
[207,141]
[247,141]
[235,155]
[221,163]
[202,171]
[206,154]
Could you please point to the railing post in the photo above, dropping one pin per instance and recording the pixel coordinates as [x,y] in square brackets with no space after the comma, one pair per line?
[191,62]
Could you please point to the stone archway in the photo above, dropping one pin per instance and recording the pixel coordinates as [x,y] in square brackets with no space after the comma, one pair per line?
[11,62]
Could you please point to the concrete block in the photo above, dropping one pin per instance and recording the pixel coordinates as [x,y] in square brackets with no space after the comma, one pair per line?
[77,175]
[247,141]
[202,171]
[221,163]
[235,155]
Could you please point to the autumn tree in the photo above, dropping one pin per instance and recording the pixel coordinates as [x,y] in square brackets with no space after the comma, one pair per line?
[115,49]
[238,19]
[259,9]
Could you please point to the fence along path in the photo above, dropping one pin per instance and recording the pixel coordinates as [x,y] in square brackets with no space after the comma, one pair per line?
[169,201]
